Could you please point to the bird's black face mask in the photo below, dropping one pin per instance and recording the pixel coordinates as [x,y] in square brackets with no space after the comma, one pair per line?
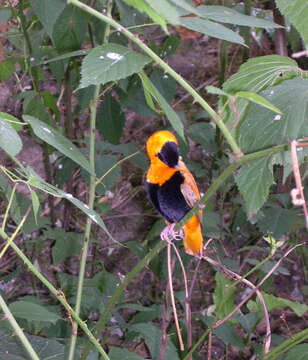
[169,154]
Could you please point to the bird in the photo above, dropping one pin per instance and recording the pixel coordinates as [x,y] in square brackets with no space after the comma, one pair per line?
[172,189]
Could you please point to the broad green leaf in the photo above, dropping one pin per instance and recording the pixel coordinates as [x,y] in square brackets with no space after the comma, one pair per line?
[58,141]
[152,336]
[32,312]
[70,29]
[172,116]
[46,349]
[296,12]
[212,29]
[10,141]
[142,6]
[223,298]
[6,70]
[272,302]
[257,99]
[263,129]
[117,353]
[231,16]
[35,204]
[253,181]
[48,11]
[298,352]
[12,120]
[260,72]
[110,120]
[229,336]
[204,134]
[110,63]
[277,221]
[164,8]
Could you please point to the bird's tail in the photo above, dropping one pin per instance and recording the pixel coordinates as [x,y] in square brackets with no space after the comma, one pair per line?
[193,240]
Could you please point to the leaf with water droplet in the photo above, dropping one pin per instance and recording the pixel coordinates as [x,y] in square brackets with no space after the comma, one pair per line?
[110,62]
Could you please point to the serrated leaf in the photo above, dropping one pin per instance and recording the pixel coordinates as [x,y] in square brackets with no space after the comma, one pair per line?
[231,16]
[272,302]
[35,204]
[10,141]
[258,73]
[257,99]
[111,119]
[70,29]
[296,12]
[152,336]
[32,312]
[277,221]
[46,349]
[48,11]
[223,298]
[204,134]
[263,129]
[211,29]
[117,353]
[253,181]
[299,352]
[58,141]
[110,63]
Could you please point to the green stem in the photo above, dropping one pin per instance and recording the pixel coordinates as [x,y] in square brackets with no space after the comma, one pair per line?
[54,291]
[89,222]
[197,97]
[18,331]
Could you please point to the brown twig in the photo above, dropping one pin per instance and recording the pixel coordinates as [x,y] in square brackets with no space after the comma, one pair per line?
[297,194]
[61,293]
[255,289]
[209,348]
[176,320]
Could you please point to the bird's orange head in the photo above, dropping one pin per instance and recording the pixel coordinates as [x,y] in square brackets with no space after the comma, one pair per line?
[163,146]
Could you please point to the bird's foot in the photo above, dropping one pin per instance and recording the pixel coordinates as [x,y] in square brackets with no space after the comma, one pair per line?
[168,234]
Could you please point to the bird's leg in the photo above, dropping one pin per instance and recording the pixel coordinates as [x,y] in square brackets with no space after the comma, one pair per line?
[168,234]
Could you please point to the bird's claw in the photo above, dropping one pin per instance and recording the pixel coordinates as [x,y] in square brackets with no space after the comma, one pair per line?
[168,234]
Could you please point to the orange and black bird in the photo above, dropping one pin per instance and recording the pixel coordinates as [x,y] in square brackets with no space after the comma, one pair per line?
[172,188]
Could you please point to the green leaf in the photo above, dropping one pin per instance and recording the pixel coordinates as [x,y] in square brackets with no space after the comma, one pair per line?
[229,336]
[277,221]
[12,120]
[70,29]
[257,99]
[164,8]
[110,63]
[6,70]
[35,204]
[10,141]
[32,312]
[46,349]
[299,352]
[296,12]
[223,297]
[172,116]
[263,129]
[215,90]
[231,16]
[51,103]
[117,353]
[152,336]
[272,302]
[58,141]
[211,29]
[260,72]
[253,181]
[48,12]
[111,120]
[142,6]
[204,134]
